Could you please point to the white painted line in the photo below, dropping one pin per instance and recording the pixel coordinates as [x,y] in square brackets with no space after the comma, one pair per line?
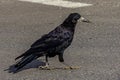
[61,3]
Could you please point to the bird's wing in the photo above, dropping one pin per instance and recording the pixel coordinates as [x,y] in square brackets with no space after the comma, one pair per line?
[48,42]
[45,43]
[40,41]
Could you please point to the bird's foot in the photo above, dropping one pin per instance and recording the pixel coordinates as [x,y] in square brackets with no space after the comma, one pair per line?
[71,67]
[63,68]
[46,67]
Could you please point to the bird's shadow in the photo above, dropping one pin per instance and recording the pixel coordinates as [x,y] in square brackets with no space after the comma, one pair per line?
[33,64]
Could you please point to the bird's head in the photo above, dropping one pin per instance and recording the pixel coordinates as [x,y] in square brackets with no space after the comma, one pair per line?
[74,17]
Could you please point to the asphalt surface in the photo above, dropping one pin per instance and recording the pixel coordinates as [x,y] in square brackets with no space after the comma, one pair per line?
[96,46]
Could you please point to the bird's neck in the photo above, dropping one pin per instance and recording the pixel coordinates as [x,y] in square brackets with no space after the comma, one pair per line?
[69,26]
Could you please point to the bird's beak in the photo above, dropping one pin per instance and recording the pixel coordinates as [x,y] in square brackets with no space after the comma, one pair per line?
[82,19]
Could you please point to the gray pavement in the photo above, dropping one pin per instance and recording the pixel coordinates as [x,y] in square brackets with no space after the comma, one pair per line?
[96,47]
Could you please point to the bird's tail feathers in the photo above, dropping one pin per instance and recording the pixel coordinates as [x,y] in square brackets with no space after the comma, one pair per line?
[25,61]
[24,54]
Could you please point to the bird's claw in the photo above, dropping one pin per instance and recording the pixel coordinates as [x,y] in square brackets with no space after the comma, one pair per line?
[72,67]
[44,68]
[64,68]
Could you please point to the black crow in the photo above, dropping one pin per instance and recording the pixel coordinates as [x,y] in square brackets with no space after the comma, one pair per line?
[52,44]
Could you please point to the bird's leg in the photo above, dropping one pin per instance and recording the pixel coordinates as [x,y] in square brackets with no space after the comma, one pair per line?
[46,61]
[61,59]
[60,56]
[67,66]
[46,64]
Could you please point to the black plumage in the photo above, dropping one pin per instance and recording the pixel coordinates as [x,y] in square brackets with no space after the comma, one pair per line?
[51,44]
